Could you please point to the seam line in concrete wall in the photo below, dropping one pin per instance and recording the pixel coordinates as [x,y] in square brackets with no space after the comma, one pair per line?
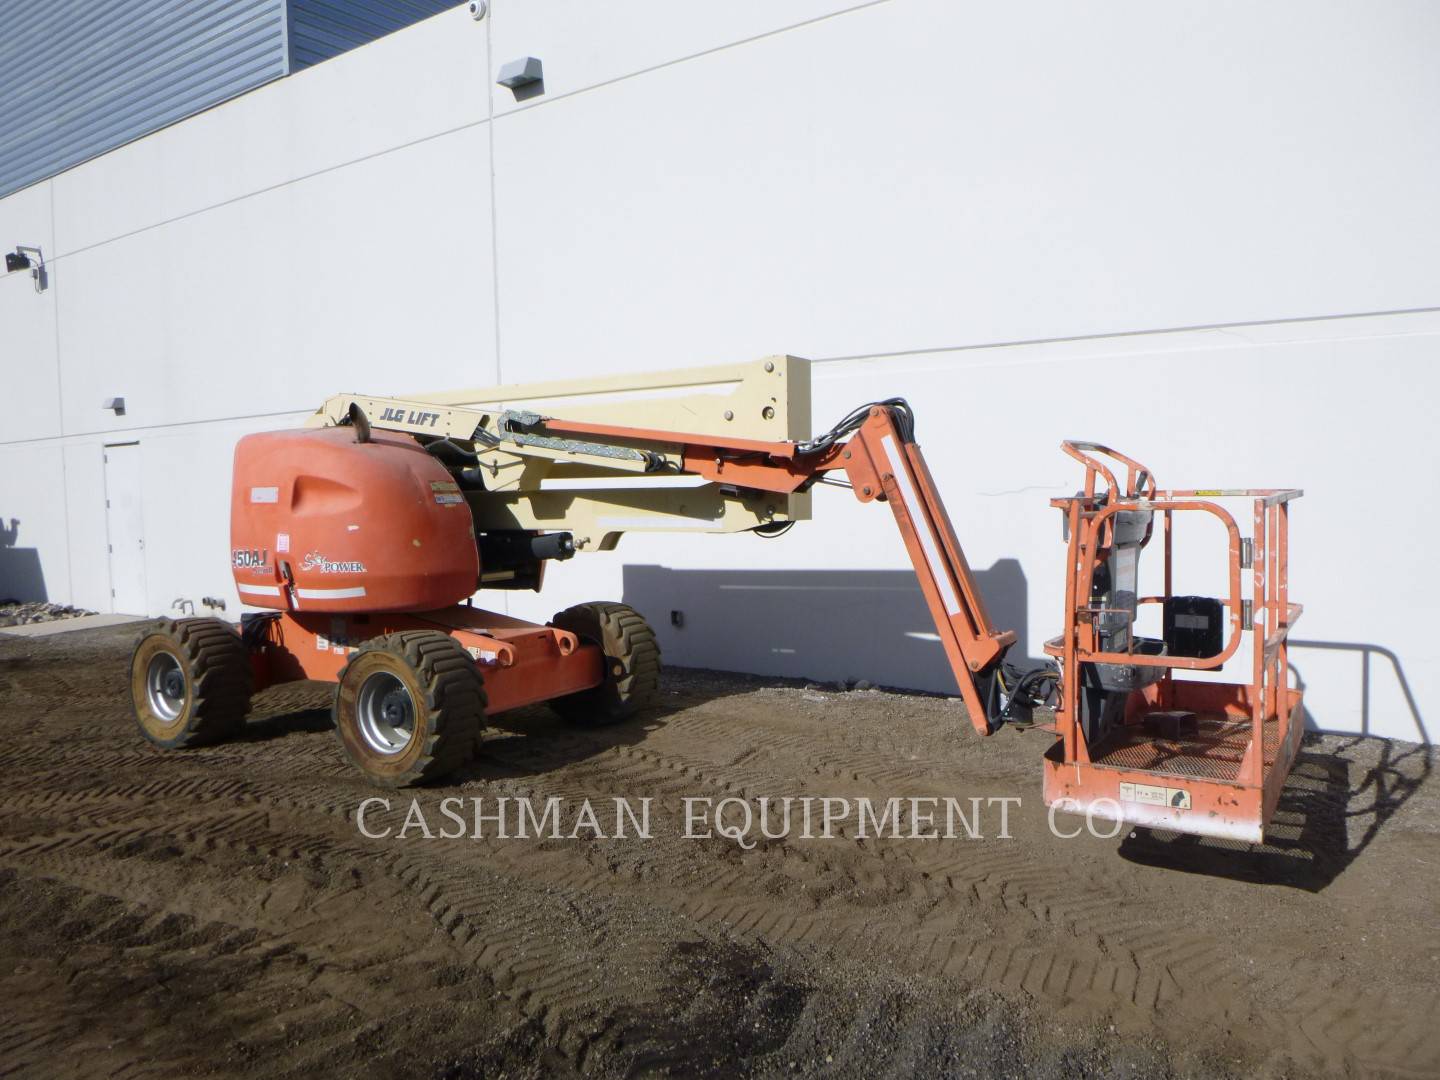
[829,360]
[138,138]
[271,188]
[494,209]
[1124,334]
[548,99]
[55,311]
[106,432]
[490,118]
[494,239]
[60,423]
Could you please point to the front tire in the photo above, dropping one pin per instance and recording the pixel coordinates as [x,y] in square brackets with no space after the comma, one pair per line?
[190,682]
[409,707]
[632,663]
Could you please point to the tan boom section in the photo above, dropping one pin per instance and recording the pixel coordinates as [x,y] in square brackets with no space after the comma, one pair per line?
[596,489]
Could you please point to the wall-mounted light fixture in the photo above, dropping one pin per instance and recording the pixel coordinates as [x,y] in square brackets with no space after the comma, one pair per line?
[523,72]
[115,405]
[20,259]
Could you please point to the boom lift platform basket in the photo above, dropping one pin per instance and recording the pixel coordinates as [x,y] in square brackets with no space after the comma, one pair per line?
[1135,743]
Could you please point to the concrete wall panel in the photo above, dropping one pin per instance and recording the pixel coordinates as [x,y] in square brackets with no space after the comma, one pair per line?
[921,174]
[189,557]
[990,422]
[359,278]
[33,561]
[31,385]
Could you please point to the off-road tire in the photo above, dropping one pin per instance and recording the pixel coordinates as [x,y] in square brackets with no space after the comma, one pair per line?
[446,692]
[214,666]
[632,662]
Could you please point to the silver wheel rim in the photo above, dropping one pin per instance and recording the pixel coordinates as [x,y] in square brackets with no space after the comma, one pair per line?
[386,714]
[165,687]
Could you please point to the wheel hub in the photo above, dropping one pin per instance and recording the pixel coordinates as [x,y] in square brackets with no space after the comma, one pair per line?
[395,706]
[385,714]
[165,686]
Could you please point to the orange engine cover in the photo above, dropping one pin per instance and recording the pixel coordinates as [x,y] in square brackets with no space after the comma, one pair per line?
[375,526]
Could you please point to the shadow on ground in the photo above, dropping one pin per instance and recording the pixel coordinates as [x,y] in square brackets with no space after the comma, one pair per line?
[1335,802]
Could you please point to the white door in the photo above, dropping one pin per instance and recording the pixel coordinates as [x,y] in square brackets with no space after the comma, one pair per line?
[126,525]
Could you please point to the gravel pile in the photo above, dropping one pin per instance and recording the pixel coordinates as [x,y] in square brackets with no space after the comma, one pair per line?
[13,613]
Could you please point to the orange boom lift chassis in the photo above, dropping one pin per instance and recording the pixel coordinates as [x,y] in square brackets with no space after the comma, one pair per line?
[356,536]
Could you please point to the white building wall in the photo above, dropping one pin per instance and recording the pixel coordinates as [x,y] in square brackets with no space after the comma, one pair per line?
[1035,220]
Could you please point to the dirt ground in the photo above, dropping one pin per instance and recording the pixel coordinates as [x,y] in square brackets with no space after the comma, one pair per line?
[218,912]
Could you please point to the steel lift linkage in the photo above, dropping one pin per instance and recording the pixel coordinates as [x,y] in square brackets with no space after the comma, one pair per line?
[367,533]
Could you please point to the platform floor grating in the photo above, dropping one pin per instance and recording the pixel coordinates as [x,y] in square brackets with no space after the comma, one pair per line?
[1214,752]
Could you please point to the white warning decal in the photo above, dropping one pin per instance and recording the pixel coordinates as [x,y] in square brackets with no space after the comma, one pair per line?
[1154,795]
[264,494]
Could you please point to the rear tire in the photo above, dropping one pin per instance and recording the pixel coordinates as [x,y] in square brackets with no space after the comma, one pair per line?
[409,707]
[632,663]
[190,682]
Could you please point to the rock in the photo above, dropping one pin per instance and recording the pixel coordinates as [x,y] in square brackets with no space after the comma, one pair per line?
[18,614]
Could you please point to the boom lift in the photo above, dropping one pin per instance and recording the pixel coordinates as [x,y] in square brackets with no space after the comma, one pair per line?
[367,533]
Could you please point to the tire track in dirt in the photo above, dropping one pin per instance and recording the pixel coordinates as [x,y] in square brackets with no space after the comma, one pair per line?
[544,976]
[1143,970]
[1155,964]
[1150,979]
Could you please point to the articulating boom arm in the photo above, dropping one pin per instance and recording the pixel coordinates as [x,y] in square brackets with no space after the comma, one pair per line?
[883,462]
[874,446]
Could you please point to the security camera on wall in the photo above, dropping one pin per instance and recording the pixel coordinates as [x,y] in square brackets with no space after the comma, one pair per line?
[20,259]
